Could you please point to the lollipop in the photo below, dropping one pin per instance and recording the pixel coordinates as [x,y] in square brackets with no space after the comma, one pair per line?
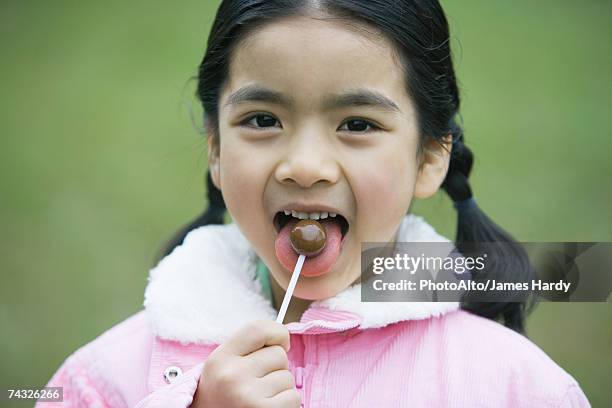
[308,237]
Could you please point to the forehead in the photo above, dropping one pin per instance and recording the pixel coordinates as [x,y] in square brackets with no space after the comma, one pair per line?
[310,58]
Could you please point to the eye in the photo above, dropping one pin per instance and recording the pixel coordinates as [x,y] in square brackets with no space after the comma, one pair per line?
[260,120]
[359,125]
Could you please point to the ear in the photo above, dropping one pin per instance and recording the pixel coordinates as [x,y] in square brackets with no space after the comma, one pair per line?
[435,159]
[213,162]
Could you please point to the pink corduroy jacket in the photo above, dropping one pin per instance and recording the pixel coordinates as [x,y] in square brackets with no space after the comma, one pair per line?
[344,352]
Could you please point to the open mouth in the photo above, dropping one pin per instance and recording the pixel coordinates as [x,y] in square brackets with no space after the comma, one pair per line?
[336,229]
[283,217]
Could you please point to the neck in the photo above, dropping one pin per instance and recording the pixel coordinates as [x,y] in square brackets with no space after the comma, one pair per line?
[297,306]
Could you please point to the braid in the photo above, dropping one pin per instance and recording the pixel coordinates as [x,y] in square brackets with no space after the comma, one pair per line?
[475,233]
[215,200]
[456,182]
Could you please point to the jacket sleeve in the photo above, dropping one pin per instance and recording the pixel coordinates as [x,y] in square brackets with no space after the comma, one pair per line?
[82,389]
[574,398]
[179,394]
[78,388]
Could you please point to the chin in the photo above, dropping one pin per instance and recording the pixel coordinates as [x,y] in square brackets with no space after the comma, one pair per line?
[317,289]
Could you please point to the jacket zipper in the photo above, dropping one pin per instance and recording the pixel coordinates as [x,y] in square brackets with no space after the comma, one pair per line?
[299,383]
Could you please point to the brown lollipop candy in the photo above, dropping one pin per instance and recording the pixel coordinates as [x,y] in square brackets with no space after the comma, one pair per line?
[308,237]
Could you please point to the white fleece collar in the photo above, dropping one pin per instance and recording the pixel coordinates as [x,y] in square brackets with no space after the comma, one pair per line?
[207,288]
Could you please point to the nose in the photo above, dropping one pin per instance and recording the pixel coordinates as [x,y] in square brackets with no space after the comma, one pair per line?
[309,159]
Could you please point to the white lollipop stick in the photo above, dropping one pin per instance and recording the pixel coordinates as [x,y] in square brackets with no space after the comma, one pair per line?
[289,292]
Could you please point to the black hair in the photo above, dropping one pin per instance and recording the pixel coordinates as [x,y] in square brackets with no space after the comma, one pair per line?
[419,31]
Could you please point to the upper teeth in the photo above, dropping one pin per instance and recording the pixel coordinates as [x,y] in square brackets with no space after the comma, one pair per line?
[312,215]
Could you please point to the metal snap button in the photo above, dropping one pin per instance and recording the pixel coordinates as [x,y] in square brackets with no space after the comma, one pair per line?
[172,373]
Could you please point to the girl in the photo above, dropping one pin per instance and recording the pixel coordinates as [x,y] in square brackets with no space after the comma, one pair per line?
[344,111]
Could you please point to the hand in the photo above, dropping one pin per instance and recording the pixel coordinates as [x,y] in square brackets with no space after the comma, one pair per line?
[250,369]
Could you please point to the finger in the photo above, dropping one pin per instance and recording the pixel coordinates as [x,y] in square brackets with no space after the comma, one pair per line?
[255,335]
[267,359]
[275,382]
[285,399]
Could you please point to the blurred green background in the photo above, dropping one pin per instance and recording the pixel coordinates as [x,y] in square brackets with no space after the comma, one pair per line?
[100,161]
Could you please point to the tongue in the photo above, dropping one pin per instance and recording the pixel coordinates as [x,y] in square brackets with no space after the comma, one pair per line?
[316,265]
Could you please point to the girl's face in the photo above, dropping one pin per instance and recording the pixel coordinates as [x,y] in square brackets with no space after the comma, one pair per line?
[315,114]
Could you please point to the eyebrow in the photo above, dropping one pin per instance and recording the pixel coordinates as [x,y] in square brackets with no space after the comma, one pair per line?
[361,97]
[256,93]
[351,98]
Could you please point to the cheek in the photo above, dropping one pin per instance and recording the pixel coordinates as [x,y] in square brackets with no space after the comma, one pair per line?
[243,176]
[384,192]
